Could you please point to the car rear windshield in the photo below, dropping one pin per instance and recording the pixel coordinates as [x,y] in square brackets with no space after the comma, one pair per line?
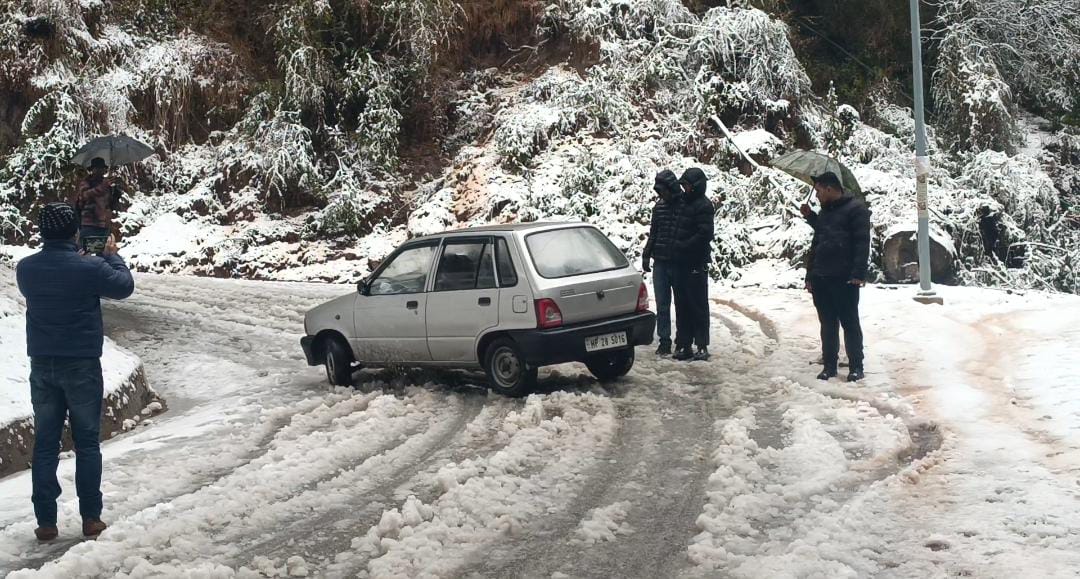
[573,251]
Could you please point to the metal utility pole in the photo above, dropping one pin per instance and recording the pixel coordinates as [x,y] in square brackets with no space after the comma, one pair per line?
[926,294]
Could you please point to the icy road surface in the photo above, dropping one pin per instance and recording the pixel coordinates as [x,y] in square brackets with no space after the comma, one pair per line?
[957,457]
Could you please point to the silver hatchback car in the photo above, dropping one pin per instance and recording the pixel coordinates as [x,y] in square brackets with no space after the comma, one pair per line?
[508,299]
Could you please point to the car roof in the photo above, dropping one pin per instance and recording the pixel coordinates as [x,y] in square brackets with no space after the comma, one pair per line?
[505,227]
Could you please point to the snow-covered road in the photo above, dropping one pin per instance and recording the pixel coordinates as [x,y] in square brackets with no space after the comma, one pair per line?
[955,459]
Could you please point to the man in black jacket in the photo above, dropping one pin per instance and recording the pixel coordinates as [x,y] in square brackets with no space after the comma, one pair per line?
[660,250]
[836,269]
[693,250]
[64,339]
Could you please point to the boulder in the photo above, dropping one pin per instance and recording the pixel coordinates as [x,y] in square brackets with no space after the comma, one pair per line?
[900,255]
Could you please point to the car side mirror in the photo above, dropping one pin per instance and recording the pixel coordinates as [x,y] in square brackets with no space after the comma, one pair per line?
[364,288]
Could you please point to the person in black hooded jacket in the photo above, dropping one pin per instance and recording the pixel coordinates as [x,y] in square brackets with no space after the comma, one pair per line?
[836,269]
[694,234]
[660,251]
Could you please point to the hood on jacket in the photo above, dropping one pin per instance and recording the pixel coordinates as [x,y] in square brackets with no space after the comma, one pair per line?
[695,178]
[666,182]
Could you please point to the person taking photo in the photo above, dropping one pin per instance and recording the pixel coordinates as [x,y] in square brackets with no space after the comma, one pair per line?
[64,338]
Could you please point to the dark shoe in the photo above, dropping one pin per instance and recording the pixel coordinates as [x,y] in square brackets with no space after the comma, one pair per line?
[855,375]
[683,354]
[702,355]
[664,349]
[46,533]
[93,527]
[826,374]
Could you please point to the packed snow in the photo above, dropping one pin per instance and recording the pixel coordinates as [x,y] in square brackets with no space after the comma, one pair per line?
[953,459]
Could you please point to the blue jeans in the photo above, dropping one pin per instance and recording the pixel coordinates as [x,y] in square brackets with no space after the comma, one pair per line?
[59,388]
[663,284]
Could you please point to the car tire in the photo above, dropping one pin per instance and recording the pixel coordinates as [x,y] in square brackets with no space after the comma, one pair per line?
[338,361]
[507,370]
[610,367]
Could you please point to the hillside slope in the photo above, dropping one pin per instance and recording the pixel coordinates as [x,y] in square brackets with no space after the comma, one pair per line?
[303,140]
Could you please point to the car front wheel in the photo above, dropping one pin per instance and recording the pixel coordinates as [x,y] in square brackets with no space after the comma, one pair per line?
[609,367]
[506,369]
[338,361]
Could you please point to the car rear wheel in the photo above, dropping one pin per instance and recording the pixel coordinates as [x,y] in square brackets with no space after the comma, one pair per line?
[609,367]
[338,360]
[506,369]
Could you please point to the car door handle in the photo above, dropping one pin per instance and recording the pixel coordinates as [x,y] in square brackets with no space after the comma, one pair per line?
[412,305]
[484,301]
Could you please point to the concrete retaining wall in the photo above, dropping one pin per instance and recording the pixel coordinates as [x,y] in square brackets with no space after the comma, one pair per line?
[122,410]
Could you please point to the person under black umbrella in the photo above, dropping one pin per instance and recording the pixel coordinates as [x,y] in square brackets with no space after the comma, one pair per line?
[96,201]
[97,197]
[836,269]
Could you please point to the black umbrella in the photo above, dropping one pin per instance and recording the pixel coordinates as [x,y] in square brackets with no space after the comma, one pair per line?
[116,150]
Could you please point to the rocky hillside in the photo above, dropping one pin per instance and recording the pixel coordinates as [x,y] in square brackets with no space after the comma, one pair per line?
[304,139]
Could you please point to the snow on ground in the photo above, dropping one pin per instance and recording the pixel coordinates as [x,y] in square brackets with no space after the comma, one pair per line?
[956,457]
[117,363]
[605,524]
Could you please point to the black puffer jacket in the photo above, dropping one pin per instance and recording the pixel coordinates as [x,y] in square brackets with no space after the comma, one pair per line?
[694,220]
[661,244]
[841,246]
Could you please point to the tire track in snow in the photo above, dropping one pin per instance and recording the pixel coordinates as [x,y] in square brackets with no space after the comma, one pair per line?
[326,519]
[790,465]
[185,528]
[189,481]
[175,333]
[654,474]
[768,505]
[545,449]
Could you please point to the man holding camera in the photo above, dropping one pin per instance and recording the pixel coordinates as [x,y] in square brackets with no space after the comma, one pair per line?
[63,288]
[96,199]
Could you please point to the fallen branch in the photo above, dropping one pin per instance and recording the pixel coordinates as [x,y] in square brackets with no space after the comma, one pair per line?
[716,120]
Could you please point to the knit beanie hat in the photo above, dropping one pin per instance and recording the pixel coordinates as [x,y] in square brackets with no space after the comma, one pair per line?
[58,221]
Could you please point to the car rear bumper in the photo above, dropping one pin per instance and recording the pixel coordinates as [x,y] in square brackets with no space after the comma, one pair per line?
[567,344]
[308,344]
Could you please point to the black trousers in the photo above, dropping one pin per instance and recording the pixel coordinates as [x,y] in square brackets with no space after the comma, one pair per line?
[837,304]
[691,305]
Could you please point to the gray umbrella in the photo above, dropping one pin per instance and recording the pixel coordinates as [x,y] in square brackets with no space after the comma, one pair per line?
[805,165]
[115,149]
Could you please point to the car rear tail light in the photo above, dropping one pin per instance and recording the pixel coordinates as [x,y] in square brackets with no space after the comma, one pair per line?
[643,299]
[548,314]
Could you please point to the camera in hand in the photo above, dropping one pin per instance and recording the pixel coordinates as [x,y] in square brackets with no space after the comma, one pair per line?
[94,244]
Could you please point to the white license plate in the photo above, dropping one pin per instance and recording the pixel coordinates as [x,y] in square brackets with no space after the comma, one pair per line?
[606,342]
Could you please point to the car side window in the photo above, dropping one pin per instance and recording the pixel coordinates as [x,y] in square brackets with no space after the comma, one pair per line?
[485,278]
[465,265]
[406,274]
[507,273]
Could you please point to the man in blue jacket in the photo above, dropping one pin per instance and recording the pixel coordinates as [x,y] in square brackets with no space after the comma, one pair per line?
[64,338]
